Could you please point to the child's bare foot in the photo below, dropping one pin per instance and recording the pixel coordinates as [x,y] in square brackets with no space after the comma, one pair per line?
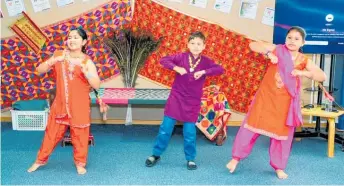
[281,174]
[81,170]
[232,165]
[34,167]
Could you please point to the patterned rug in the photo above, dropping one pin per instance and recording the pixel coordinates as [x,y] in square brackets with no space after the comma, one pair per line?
[131,96]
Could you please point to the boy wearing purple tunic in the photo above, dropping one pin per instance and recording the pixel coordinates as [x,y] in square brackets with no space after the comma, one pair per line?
[184,101]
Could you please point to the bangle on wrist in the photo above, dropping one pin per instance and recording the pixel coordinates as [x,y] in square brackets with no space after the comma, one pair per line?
[89,75]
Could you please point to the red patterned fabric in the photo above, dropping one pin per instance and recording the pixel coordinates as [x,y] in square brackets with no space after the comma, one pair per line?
[244,69]
[20,80]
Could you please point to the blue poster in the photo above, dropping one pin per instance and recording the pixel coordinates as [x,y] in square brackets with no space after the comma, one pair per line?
[323,21]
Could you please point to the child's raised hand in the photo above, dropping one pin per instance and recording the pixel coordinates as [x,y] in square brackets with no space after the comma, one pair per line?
[61,57]
[296,73]
[273,58]
[199,74]
[180,70]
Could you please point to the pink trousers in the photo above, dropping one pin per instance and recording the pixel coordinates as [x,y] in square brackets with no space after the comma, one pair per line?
[279,149]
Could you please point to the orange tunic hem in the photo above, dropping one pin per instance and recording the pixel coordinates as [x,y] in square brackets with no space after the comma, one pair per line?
[265,133]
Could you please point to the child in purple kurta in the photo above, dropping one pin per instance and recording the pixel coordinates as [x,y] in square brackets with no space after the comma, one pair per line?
[184,101]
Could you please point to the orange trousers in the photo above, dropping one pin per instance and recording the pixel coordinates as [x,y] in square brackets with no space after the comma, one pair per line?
[54,134]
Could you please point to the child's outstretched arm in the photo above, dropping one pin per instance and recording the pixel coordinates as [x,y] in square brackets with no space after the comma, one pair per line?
[214,69]
[262,47]
[45,66]
[90,71]
[172,63]
[317,73]
[312,72]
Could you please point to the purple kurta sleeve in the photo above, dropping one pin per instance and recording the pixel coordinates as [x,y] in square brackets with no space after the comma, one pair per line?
[170,62]
[213,69]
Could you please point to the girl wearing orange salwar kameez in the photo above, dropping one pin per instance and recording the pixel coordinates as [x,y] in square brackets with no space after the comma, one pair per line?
[71,108]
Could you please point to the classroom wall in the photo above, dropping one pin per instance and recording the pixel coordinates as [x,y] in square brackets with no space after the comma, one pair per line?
[252,28]
[249,27]
[53,15]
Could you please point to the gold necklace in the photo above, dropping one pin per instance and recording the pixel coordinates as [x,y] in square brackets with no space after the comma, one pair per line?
[193,66]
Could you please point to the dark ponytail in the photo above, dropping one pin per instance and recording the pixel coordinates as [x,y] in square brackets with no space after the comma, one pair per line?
[300,50]
[83,49]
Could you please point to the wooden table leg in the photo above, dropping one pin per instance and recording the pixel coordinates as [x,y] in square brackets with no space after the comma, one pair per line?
[330,140]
